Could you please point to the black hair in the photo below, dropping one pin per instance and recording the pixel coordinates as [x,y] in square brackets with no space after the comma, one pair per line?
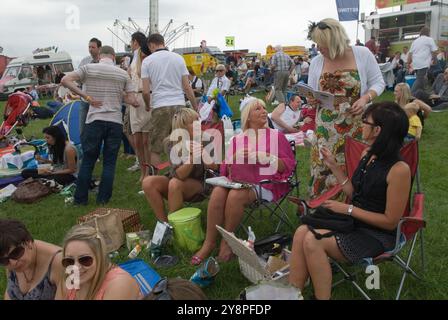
[57,151]
[156,39]
[13,233]
[142,42]
[394,125]
[98,42]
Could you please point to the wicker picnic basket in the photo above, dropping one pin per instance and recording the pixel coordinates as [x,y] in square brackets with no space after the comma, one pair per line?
[130,218]
[251,265]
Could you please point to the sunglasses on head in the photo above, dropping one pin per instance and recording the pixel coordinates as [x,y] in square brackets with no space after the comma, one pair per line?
[15,254]
[160,290]
[85,261]
[321,25]
[368,123]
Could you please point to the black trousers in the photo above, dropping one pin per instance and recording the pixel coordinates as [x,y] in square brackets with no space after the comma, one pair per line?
[64,179]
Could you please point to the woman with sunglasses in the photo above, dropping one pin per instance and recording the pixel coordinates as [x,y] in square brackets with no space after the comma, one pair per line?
[353,76]
[88,273]
[32,267]
[379,193]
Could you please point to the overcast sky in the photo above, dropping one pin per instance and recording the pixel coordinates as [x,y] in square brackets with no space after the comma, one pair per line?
[29,24]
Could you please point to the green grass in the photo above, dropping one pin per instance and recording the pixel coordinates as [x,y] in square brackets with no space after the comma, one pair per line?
[49,220]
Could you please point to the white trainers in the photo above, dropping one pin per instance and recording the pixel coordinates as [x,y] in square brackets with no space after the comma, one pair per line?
[135,167]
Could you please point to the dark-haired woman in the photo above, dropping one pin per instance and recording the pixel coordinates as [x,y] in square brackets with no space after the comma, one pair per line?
[379,193]
[33,267]
[63,159]
[140,117]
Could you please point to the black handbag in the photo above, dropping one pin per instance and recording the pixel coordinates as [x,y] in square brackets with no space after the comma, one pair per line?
[273,244]
[324,218]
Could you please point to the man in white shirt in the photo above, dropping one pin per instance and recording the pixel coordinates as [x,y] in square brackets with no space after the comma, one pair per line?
[220,82]
[423,52]
[165,81]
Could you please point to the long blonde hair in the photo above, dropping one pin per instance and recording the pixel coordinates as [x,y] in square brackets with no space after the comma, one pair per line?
[96,243]
[246,111]
[334,37]
[406,95]
[181,119]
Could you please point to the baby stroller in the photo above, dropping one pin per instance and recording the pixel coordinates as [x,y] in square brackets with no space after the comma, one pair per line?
[16,111]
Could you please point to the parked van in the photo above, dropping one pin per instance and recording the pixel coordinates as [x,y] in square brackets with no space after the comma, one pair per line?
[38,69]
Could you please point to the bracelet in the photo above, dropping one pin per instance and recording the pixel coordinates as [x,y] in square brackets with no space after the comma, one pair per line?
[345,182]
[370,97]
[88,98]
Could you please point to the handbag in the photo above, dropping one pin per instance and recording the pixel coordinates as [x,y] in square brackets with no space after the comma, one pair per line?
[109,225]
[324,218]
[30,191]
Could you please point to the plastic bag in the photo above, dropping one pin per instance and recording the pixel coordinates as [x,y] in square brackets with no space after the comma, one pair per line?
[228,129]
[224,109]
[206,111]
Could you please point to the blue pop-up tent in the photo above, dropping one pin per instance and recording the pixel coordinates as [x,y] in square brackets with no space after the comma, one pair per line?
[67,118]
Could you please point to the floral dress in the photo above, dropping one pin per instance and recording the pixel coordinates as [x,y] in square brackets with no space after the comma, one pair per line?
[333,126]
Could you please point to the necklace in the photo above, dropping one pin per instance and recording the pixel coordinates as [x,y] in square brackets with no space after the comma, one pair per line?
[34,268]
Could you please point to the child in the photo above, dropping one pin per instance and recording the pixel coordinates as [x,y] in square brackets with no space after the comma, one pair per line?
[415,124]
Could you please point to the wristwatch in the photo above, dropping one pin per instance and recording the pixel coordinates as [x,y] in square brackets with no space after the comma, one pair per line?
[350,210]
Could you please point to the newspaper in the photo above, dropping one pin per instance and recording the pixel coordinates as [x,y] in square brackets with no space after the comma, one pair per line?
[326,99]
[224,182]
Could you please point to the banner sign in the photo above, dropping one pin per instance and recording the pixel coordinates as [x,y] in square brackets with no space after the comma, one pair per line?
[380,4]
[348,10]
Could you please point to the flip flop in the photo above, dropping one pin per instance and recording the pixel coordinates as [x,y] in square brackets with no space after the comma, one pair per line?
[196,261]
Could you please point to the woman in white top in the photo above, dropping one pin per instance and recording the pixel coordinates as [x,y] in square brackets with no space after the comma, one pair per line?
[140,117]
[353,76]
[284,117]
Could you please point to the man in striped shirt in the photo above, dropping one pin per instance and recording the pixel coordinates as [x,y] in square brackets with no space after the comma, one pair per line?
[283,66]
[104,84]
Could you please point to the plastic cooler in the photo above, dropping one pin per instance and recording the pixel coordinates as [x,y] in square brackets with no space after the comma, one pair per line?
[410,80]
[188,233]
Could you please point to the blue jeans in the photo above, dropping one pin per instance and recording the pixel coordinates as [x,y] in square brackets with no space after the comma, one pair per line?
[96,135]
[83,111]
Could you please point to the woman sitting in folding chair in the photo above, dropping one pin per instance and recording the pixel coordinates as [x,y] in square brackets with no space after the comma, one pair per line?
[258,154]
[184,182]
[379,193]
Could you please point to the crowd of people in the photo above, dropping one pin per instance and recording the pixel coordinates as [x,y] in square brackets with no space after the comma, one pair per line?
[155,89]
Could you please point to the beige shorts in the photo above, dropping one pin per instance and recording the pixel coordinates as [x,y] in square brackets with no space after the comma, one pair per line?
[140,118]
[160,127]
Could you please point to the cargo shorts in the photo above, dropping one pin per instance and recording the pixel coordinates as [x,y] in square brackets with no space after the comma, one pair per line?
[160,127]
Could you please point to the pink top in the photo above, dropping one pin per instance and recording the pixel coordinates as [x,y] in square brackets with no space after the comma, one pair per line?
[252,173]
[111,275]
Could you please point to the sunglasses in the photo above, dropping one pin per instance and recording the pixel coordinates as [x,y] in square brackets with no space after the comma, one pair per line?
[160,290]
[368,123]
[85,261]
[321,25]
[15,254]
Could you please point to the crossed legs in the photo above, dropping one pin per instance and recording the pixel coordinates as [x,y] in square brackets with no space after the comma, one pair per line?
[309,258]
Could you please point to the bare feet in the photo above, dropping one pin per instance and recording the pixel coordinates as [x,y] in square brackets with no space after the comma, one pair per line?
[225,252]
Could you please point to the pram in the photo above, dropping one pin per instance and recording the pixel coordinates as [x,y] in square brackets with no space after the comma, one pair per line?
[15,114]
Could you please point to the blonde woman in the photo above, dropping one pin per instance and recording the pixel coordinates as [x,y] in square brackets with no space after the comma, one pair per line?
[403,96]
[140,117]
[185,181]
[85,251]
[352,74]
[245,162]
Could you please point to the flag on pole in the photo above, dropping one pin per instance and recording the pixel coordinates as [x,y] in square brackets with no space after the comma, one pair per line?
[348,10]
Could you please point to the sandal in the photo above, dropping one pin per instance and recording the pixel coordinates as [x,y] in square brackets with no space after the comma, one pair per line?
[196,261]
[166,261]
[206,274]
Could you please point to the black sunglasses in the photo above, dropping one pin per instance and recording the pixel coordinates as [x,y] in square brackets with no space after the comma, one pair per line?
[85,261]
[15,254]
[313,25]
[368,123]
[160,290]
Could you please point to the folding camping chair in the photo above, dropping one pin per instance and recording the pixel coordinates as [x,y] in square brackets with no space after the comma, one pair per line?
[275,208]
[410,227]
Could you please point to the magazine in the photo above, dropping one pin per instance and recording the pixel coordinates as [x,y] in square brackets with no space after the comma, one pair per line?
[224,182]
[326,99]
